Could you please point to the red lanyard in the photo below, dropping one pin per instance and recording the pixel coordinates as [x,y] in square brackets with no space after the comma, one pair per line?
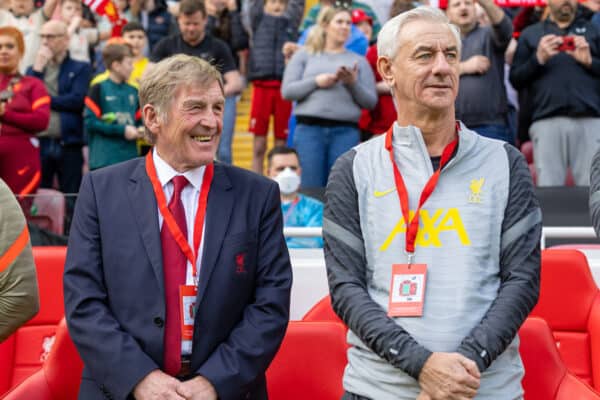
[180,239]
[290,210]
[412,226]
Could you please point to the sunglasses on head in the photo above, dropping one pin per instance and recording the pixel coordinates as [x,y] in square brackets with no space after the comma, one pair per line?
[346,5]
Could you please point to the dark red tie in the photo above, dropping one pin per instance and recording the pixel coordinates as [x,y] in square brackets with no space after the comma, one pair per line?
[174,269]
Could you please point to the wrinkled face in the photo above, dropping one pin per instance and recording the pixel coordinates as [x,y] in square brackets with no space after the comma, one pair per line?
[279,162]
[54,38]
[562,10]
[424,73]
[21,7]
[338,29]
[123,68]
[275,7]
[462,13]
[9,54]
[69,10]
[192,27]
[188,136]
[136,40]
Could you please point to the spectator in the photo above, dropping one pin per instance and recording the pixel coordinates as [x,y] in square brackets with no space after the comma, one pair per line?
[311,16]
[364,23]
[67,82]
[156,20]
[557,62]
[81,38]
[29,21]
[271,30]
[24,112]
[134,35]
[195,41]
[298,210]
[294,12]
[158,306]
[112,113]
[19,300]
[330,85]
[225,23]
[481,103]
[432,237]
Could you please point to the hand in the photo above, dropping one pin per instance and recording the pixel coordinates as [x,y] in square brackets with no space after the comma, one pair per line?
[548,48]
[582,51]
[449,376]
[211,9]
[198,388]
[347,76]
[475,65]
[157,385]
[232,5]
[43,56]
[2,108]
[288,49]
[325,81]
[131,132]
[74,24]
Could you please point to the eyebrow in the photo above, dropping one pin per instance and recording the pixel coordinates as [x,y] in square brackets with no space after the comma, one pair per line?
[191,103]
[431,48]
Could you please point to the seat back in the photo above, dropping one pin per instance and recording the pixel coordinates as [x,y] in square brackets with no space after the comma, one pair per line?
[567,295]
[51,205]
[310,363]
[60,376]
[25,351]
[546,377]
[322,311]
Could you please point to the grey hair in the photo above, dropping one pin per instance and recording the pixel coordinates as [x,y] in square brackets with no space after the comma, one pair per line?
[388,42]
[160,82]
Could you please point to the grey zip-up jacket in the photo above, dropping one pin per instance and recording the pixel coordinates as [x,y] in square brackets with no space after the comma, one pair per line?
[479,236]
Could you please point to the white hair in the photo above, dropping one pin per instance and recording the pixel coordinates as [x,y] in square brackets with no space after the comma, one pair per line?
[388,42]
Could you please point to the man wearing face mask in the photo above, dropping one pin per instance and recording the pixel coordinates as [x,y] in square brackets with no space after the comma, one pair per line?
[298,210]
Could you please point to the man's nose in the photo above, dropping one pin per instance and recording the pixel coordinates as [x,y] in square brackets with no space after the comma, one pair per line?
[211,119]
[441,65]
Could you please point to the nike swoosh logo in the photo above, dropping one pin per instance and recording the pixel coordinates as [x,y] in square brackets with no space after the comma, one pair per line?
[377,193]
[22,170]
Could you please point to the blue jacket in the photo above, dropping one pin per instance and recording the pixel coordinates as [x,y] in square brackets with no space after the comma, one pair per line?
[73,82]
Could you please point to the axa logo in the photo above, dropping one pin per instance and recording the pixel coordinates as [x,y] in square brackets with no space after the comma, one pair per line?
[433,228]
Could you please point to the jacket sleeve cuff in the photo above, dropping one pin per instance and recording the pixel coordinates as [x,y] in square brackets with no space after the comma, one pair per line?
[471,354]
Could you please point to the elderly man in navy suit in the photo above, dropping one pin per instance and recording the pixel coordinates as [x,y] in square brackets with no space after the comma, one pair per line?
[177,280]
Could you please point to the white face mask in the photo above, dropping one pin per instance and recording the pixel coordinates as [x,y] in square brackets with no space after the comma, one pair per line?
[288,181]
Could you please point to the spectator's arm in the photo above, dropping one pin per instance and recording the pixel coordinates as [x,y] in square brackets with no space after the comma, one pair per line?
[233,82]
[294,86]
[160,51]
[525,66]
[519,269]
[37,118]
[363,90]
[494,13]
[502,33]
[294,12]
[18,282]
[48,9]
[239,36]
[345,260]
[74,100]
[93,116]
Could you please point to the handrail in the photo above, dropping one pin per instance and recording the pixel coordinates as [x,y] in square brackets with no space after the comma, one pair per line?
[548,232]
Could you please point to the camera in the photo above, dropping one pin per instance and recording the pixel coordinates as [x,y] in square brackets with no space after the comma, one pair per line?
[6,95]
[568,44]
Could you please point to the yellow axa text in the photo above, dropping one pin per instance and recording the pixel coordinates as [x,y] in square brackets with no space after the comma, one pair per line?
[431,228]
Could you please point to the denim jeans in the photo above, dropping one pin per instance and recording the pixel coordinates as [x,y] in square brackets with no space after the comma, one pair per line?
[229,115]
[318,147]
[65,161]
[495,131]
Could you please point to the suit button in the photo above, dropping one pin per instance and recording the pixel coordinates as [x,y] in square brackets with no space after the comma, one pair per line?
[158,321]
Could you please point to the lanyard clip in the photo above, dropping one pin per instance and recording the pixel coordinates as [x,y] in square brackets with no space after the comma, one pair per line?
[410,257]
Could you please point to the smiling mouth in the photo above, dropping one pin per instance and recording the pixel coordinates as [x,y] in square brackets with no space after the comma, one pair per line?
[202,138]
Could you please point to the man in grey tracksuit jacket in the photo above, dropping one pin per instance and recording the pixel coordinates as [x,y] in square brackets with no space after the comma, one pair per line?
[479,237]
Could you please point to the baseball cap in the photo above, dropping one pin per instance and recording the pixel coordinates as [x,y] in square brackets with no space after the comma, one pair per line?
[359,16]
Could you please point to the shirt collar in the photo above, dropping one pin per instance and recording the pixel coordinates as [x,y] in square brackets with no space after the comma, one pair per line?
[165,172]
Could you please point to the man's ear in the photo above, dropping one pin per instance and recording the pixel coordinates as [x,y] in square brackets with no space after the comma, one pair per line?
[152,119]
[385,69]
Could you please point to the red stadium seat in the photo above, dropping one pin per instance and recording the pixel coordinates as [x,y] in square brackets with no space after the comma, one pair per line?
[546,377]
[322,311]
[60,376]
[570,303]
[310,363]
[25,351]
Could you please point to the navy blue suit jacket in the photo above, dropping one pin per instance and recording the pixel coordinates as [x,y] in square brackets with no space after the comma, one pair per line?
[113,282]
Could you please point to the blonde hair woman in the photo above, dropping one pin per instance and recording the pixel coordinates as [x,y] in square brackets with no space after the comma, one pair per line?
[330,85]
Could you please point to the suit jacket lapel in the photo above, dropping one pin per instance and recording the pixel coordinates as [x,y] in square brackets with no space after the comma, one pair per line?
[218,212]
[145,209]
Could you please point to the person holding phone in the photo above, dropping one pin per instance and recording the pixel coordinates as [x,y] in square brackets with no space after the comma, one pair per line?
[330,85]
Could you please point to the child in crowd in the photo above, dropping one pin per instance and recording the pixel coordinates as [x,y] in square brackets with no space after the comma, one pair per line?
[271,30]
[71,13]
[112,114]
[134,35]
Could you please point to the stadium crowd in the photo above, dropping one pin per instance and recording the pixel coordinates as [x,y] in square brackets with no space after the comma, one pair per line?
[69,76]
